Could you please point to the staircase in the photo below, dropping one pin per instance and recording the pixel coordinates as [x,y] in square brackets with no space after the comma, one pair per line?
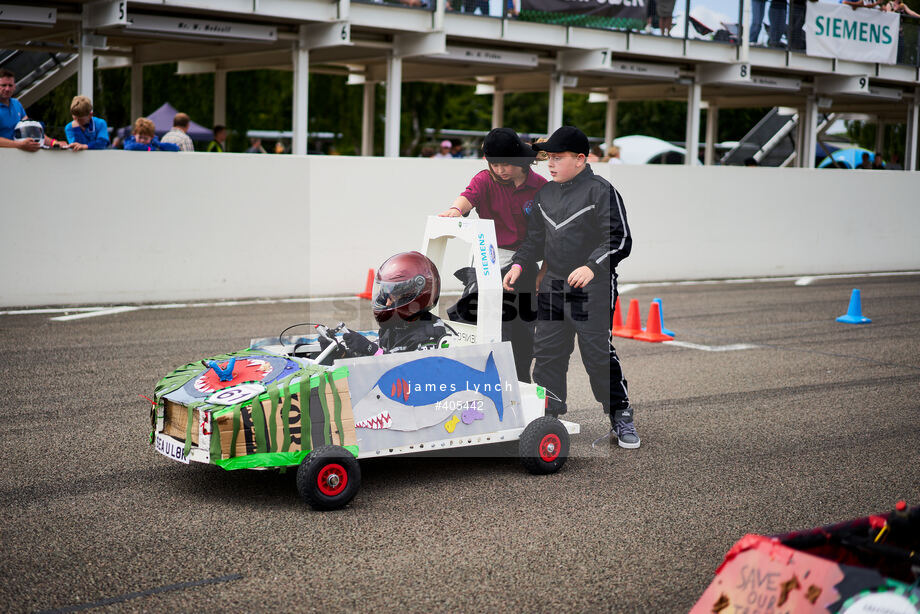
[37,73]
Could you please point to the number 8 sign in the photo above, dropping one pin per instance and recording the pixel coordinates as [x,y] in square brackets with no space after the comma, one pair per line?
[235,394]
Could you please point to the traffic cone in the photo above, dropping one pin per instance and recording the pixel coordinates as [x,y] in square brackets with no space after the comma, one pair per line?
[633,325]
[854,312]
[653,328]
[617,318]
[368,286]
[664,330]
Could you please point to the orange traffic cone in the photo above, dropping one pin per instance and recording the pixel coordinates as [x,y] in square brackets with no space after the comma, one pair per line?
[633,325]
[369,286]
[617,324]
[653,329]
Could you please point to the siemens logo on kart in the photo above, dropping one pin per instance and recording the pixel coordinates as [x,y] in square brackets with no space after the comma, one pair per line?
[486,253]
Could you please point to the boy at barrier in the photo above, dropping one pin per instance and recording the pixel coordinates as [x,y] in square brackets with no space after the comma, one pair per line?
[143,138]
[579,230]
[406,288]
[86,131]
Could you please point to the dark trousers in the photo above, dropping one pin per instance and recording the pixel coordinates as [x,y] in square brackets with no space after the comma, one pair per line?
[564,313]
[517,319]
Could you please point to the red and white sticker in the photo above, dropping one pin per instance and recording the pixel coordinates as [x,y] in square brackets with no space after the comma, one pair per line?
[236,394]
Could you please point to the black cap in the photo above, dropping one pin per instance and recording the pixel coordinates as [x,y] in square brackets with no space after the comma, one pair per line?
[503,145]
[567,138]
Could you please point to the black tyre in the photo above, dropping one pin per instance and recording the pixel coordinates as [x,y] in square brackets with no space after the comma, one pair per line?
[329,478]
[544,445]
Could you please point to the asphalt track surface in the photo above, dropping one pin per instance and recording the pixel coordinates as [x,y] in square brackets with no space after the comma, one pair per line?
[819,423]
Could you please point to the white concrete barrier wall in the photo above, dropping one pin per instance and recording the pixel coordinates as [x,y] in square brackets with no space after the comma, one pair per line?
[124,227]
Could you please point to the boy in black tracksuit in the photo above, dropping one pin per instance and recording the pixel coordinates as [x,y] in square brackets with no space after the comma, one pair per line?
[579,229]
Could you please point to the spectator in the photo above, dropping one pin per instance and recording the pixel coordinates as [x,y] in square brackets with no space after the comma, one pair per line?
[893,163]
[86,131]
[877,163]
[255,146]
[143,138]
[751,161]
[456,151]
[651,15]
[218,143]
[758,8]
[280,148]
[613,155]
[796,35]
[665,10]
[427,152]
[444,152]
[11,113]
[777,23]
[866,161]
[179,134]
[897,6]
[595,154]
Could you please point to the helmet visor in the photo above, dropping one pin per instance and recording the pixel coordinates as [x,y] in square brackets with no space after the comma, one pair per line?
[394,294]
[30,130]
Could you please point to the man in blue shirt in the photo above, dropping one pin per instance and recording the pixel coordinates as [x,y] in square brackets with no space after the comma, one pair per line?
[86,131]
[11,113]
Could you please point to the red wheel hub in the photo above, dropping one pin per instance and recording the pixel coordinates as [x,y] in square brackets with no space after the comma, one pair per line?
[550,447]
[332,479]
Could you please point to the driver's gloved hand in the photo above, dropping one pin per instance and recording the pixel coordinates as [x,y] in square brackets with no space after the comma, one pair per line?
[358,344]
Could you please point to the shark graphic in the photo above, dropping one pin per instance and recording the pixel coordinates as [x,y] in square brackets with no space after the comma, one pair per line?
[425,392]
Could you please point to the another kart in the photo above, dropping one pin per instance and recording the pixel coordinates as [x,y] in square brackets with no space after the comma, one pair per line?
[292,401]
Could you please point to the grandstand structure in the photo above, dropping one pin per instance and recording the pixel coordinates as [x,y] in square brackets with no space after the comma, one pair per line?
[388,43]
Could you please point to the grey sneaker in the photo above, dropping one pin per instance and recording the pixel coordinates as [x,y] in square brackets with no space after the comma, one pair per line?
[625,429]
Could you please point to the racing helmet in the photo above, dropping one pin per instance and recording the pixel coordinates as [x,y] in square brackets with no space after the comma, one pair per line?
[29,129]
[406,285]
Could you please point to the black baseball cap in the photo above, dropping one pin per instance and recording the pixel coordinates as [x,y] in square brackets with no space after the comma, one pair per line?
[567,138]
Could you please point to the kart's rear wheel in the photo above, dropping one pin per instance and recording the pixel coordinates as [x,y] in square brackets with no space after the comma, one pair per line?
[329,478]
[544,445]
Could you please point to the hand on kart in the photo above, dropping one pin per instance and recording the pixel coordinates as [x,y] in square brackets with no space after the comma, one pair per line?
[452,212]
[511,277]
[580,277]
[358,344]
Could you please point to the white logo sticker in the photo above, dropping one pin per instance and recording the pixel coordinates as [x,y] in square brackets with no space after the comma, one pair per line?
[235,394]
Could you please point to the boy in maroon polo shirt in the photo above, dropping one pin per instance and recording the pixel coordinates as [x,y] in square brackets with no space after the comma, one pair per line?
[504,194]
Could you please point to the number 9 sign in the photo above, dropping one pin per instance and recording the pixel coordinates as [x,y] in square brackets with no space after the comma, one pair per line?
[235,394]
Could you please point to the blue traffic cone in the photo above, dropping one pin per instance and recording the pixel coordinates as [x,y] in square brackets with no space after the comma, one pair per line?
[664,330]
[854,312]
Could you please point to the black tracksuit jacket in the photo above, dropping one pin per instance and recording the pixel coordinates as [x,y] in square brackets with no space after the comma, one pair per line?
[577,223]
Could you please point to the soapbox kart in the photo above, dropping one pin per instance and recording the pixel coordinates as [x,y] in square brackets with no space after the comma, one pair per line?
[292,401]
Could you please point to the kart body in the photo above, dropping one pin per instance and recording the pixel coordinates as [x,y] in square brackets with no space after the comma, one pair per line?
[275,404]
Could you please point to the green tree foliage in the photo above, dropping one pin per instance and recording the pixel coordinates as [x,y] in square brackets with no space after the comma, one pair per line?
[263,100]
[863,134]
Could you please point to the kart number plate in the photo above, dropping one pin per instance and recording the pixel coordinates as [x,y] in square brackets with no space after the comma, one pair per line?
[171,449]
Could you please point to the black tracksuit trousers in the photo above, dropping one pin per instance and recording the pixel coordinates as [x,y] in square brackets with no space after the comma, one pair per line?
[564,312]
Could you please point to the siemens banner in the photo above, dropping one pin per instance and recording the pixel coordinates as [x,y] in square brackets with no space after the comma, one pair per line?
[837,31]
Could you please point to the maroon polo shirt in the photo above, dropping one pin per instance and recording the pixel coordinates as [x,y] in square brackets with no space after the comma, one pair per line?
[504,204]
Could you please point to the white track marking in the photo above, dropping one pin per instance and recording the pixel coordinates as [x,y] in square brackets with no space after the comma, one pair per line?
[100,310]
[712,348]
[92,314]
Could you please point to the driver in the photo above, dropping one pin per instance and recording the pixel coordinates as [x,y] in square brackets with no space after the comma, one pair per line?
[406,288]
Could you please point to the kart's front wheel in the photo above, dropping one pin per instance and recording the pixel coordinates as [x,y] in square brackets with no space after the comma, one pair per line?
[544,445]
[329,478]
